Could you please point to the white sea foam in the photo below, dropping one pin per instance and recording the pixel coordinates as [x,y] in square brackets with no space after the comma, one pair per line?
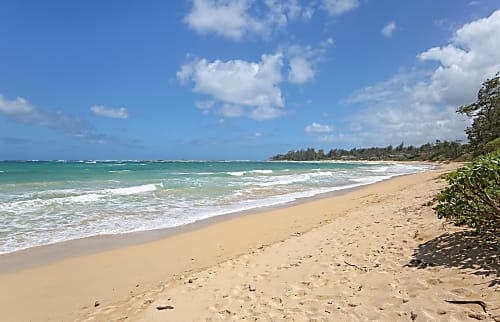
[378,170]
[262,171]
[132,190]
[242,173]
[284,180]
[81,209]
[237,173]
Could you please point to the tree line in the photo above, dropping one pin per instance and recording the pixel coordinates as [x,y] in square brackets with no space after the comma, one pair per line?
[439,150]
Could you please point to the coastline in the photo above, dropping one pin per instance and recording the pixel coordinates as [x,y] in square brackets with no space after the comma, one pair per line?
[46,254]
[129,281]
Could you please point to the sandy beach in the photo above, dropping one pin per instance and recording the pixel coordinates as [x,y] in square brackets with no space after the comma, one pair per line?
[374,254]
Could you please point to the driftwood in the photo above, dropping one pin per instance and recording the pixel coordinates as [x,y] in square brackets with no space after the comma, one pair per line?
[481,303]
[165,307]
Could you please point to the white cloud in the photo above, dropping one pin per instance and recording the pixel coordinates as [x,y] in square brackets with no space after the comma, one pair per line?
[281,12]
[338,7]
[303,61]
[240,83]
[266,113]
[18,107]
[231,111]
[237,19]
[318,128]
[110,112]
[420,106]
[389,29]
[472,56]
[240,19]
[301,70]
[224,18]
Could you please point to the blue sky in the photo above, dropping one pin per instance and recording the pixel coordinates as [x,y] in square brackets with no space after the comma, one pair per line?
[242,79]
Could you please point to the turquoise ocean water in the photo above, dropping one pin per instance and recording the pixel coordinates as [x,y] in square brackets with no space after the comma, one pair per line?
[44,202]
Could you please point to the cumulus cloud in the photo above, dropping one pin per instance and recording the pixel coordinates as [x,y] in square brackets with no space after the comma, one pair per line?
[224,18]
[239,19]
[419,106]
[301,70]
[338,7]
[389,29]
[318,128]
[281,12]
[303,61]
[110,112]
[464,63]
[254,85]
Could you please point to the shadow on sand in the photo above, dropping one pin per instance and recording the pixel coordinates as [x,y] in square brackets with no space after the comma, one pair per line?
[463,249]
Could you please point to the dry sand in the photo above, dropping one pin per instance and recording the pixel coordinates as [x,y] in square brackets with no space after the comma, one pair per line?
[375,254]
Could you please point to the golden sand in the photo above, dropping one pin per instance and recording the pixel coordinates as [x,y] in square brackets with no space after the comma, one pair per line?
[375,254]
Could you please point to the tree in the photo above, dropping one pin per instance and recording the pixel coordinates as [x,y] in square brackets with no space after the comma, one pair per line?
[473,197]
[485,112]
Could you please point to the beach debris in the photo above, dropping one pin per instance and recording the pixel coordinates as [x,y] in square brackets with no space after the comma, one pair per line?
[481,303]
[164,307]
[413,316]
[355,266]
[96,303]
[250,288]
[477,316]
[225,312]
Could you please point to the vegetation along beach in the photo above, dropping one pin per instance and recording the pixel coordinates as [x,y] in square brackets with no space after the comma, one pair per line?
[267,160]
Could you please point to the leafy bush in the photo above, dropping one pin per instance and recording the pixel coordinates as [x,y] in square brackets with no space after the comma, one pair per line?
[493,145]
[473,196]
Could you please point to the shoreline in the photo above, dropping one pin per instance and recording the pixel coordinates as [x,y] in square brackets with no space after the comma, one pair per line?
[46,254]
[129,282]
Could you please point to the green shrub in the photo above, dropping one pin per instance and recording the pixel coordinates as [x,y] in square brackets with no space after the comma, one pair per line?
[493,145]
[473,196]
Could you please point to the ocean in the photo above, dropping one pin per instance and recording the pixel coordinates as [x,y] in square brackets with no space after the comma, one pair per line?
[45,202]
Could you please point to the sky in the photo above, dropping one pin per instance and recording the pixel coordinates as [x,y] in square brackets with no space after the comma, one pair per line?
[237,80]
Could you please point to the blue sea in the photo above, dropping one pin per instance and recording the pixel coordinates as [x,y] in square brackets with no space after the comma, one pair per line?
[45,202]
